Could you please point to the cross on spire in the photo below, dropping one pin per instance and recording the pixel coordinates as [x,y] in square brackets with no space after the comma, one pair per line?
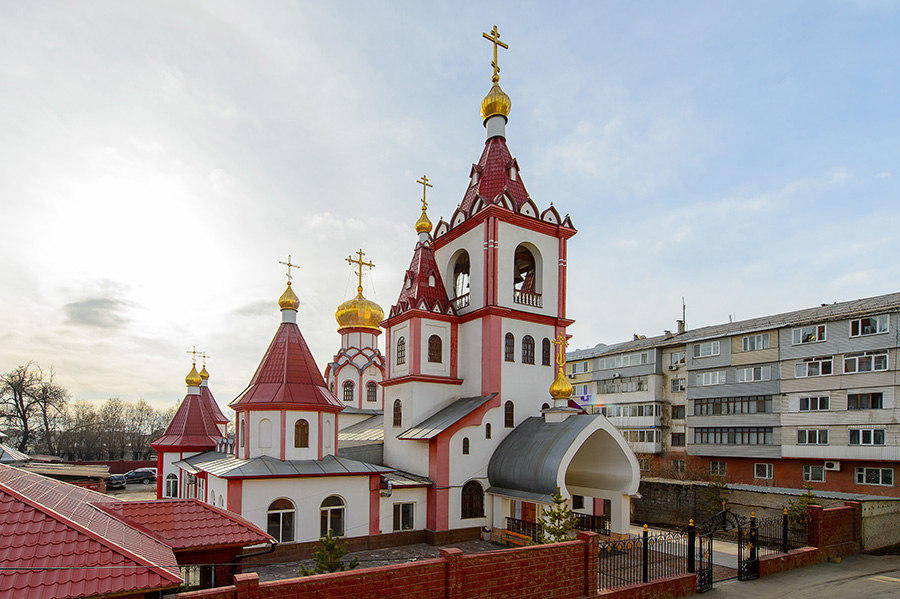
[360,263]
[425,185]
[289,267]
[494,38]
[561,342]
[203,356]
[193,351]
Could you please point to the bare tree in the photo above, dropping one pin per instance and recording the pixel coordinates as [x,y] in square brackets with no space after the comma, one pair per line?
[30,401]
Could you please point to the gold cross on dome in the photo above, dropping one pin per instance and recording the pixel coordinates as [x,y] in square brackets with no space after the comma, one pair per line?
[203,357]
[561,342]
[193,351]
[360,263]
[289,267]
[425,185]
[494,37]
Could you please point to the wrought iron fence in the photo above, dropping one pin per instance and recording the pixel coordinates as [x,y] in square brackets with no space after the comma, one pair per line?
[643,559]
[530,529]
[593,523]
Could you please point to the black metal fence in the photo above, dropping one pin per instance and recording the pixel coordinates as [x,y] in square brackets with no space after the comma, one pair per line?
[530,529]
[593,523]
[769,536]
[643,559]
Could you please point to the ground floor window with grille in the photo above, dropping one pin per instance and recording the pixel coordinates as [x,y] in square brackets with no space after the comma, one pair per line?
[644,463]
[678,466]
[718,468]
[404,516]
[875,476]
[814,474]
[762,470]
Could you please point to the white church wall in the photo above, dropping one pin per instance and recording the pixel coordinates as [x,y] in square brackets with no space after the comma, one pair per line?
[348,373]
[398,331]
[527,385]
[270,446]
[469,358]
[168,467]
[217,488]
[456,520]
[473,243]
[416,495]
[372,374]
[509,238]
[301,453]
[442,330]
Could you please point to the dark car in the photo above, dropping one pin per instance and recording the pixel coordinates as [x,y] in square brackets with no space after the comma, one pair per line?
[141,475]
[115,481]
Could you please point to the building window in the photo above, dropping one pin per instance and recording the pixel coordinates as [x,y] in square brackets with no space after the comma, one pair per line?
[398,413]
[875,476]
[332,516]
[348,391]
[867,436]
[545,352]
[704,350]
[241,424]
[866,361]
[644,463]
[404,516]
[754,373]
[814,474]
[678,466]
[763,471]
[465,446]
[755,342]
[718,468]
[814,404]
[171,485]
[301,434]
[813,367]
[472,500]
[487,430]
[811,334]
[509,348]
[678,412]
[812,437]
[280,520]
[527,349]
[677,358]
[734,435]
[371,391]
[545,406]
[705,379]
[752,404]
[401,351]
[635,359]
[509,415]
[630,410]
[677,439]
[461,279]
[435,349]
[577,502]
[678,385]
[865,401]
[628,384]
[869,326]
[641,436]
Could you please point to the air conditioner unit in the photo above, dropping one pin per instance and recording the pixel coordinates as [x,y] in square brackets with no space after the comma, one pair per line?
[673,367]
[616,375]
[832,465]
[571,376]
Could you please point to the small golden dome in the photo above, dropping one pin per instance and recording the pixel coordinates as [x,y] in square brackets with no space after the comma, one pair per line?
[496,102]
[423,225]
[193,378]
[203,374]
[288,299]
[359,312]
[561,388]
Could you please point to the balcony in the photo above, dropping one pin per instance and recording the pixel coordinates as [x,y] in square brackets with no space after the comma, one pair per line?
[527,299]
[460,302]
[636,421]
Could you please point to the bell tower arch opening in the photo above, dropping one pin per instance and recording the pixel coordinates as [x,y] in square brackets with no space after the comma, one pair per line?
[527,275]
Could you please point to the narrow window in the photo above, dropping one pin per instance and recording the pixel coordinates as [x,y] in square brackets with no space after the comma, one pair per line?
[509,415]
[171,485]
[371,391]
[545,352]
[527,349]
[348,391]
[465,446]
[301,434]
[435,349]
[487,430]
[472,500]
[398,413]
[509,351]
[401,351]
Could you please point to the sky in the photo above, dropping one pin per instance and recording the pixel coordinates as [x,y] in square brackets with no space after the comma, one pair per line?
[158,160]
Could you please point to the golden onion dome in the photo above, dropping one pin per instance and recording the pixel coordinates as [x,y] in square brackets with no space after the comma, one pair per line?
[423,225]
[359,312]
[193,377]
[561,388]
[203,374]
[289,299]
[496,102]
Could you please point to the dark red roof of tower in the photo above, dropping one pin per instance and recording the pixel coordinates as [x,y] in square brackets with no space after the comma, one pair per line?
[493,176]
[192,426]
[288,374]
[212,406]
[419,294]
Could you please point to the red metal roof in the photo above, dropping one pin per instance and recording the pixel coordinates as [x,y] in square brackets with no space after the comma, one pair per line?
[212,405]
[419,294]
[192,426]
[67,547]
[493,178]
[288,374]
[188,523]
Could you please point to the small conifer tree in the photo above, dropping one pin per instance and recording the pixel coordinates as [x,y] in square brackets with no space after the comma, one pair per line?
[329,557]
[557,520]
[714,496]
[804,500]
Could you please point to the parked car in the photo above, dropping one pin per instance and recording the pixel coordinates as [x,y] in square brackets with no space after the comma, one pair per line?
[141,475]
[115,481]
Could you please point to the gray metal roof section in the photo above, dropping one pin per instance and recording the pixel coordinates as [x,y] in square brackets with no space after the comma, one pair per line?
[819,493]
[529,458]
[520,495]
[10,455]
[825,313]
[363,411]
[227,466]
[370,429]
[444,419]
[399,478]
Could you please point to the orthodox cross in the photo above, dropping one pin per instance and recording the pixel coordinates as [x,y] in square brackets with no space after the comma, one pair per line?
[561,342]
[360,263]
[494,37]
[203,356]
[193,353]
[289,267]
[425,185]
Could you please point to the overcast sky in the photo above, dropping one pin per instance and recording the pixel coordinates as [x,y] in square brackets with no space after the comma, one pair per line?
[157,160]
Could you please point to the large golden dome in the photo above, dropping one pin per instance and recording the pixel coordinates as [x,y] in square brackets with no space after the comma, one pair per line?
[289,299]
[359,312]
[193,377]
[496,102]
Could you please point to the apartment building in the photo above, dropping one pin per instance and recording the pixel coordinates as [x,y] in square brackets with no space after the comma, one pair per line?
[782,400]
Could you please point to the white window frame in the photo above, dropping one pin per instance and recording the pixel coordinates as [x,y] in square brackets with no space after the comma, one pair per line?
[810,470]
[718,467]
[882,325]
[861,476]
[820,403]
[677,358]
[802,368]
[812,436]
[713,348]
[758,342]
[706,379]
[763,470]
[815,333]
[679,385]
[866,361]
[404,521]
[754,373]
[867,436]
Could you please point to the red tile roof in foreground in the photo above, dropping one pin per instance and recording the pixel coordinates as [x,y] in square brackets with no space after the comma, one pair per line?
[188,523]
[212,405]
[493,179]
[288,374]
[416,292]
[67,547]
[193,426]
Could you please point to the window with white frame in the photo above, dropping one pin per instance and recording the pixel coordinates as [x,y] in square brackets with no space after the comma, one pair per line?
[280,520]
[814,404]
[705,379]
[865,401]
[813,367]
[733,435]
[404,516]
[718,468]
[865,361]
[678,466]
[678,385]
[754,373]
[706,349]
[866,436]
[762,470]
[810,334]
[331,516]
[875,476]
[869,326]
[807,436]
[814,474]
[755,342]
[635,359]
[677,358]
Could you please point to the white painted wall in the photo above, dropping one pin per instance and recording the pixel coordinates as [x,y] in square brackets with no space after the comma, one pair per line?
[528,385]
[469,358]
[397,370]
[217,487]
[253,418]
[473,243]
[417,495]
[442,330]
[509,237]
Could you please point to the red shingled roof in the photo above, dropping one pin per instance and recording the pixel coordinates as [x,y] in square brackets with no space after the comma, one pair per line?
[192,426]
[212,405]
[188,523]
[67,547]
[419,294]
[493,178]
[288,374]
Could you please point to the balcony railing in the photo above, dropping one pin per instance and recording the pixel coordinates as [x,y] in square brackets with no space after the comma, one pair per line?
[460,302]
[598,524]
[531,529]
[527,299]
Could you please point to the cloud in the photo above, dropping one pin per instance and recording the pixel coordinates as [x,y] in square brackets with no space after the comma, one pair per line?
[98,312]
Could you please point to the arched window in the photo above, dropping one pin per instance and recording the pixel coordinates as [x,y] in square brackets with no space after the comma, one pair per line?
[509,349]
[527,349]
[398,413]
[526,276]
[465,446]
[328,433]
[332,516]
[371,391]
[487,430]
[545,352]
[472,500]
[265,433]
[401,351]
[280,520]
[171,485]
[221,500]
[461,279]
[435,351]
[241,424]
[301,433]
[348,391]
[545,406]
[509,414]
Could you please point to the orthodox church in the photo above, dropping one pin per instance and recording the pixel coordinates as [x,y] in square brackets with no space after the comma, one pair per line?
[450,432]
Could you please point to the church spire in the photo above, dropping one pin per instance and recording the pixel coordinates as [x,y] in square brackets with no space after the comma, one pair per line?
[289,302]
[423,225]
[496,105]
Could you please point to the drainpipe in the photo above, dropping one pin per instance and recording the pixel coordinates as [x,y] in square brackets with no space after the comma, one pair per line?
[238,558]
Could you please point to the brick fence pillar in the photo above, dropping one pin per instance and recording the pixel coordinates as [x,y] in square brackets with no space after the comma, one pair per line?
[246,586]
[814,532]
[591,562]
[454,581]
[857,520]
